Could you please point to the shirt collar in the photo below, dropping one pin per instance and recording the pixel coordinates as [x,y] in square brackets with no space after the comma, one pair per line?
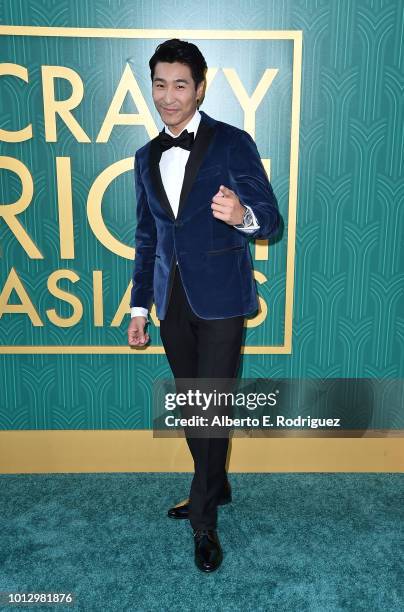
[192,125]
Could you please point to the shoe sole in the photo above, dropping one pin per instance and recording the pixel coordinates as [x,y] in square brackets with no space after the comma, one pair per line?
[208,571]
[223,502]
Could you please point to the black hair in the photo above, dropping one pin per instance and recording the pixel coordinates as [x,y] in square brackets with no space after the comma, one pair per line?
[175,50]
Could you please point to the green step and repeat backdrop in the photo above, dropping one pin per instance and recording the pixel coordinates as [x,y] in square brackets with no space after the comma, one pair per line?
[318,84]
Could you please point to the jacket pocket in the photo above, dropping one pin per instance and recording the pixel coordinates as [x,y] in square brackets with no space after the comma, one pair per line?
[228,250]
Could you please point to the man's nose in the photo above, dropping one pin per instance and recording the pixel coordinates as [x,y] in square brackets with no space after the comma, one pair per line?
[168,95]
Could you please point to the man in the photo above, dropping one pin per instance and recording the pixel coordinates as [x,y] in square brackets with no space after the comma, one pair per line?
[201,193]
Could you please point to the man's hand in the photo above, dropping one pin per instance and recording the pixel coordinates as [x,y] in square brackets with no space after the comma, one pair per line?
[137,337]
[227,207]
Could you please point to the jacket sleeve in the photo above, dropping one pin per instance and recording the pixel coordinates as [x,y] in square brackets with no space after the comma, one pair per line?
[145,247]
[249,181]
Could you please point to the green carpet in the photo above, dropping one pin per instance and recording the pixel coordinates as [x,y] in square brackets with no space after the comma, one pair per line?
[323,542]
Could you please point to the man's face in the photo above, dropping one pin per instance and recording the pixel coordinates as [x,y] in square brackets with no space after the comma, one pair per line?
[174,94]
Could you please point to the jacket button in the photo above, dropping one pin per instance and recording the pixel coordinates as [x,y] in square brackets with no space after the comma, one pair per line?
[178,224]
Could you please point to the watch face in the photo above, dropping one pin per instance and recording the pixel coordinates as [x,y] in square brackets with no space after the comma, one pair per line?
[247,219]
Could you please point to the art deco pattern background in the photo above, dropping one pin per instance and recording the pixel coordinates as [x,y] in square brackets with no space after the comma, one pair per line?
[349,273]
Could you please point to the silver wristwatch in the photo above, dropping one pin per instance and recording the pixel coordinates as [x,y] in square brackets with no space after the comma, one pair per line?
[247,218]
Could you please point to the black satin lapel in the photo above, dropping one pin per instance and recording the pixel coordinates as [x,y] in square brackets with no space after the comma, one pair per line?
[155,174]
[203,139]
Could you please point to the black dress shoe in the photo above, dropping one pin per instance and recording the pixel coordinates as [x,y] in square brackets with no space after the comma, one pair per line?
[208,553]
[181,510]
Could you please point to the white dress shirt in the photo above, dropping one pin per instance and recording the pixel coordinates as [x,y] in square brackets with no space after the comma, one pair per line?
[172,170]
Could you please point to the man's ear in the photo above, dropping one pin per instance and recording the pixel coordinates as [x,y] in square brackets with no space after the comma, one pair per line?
[200,92]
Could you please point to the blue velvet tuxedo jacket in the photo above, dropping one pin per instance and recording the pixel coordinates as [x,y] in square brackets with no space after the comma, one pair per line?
[213,257]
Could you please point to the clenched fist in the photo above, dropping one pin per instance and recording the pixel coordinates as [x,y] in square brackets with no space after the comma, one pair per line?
[137,336]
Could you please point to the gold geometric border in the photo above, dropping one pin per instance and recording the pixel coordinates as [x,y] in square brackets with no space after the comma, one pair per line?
[137,451]
[296,36]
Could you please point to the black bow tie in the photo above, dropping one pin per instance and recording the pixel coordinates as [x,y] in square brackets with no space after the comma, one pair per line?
[185,140]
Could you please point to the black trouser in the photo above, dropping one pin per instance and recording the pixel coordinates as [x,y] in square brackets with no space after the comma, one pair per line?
[202,348]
